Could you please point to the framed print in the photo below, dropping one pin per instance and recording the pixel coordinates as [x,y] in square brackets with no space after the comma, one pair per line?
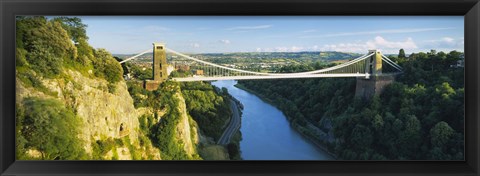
[239,88]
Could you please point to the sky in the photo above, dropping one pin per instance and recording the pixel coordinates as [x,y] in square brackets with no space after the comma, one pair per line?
[224,34]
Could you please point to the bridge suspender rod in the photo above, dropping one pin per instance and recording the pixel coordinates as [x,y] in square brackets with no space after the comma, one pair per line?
[390,62]
[212,64]
[337,66]
[272,74]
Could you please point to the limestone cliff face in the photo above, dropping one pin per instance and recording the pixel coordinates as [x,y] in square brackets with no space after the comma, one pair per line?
[105,115]
[111,114]
[187,132]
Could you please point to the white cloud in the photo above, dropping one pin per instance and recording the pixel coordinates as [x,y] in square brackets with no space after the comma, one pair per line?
[345,47]
[225,41]
[380,42]
[250,27]
[389,31]
[445,43]
[377,43]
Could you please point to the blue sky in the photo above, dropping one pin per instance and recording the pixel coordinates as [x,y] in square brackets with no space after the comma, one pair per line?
[210,34]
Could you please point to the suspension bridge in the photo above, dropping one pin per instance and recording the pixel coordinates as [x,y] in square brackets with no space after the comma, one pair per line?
[374,63]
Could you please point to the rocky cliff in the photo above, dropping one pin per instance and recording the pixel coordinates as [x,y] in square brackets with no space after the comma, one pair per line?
[109,114]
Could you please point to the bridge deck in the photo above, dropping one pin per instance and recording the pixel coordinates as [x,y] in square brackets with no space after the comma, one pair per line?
[201,78]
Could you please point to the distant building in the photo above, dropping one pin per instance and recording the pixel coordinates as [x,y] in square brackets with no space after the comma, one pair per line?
[199,72]
[182,67]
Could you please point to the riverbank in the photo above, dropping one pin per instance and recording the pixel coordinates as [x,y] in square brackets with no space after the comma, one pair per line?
[231,136]
[233,125]
[310,138]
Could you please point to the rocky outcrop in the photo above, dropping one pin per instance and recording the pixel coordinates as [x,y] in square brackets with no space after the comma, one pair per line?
[106,114]
[187,133]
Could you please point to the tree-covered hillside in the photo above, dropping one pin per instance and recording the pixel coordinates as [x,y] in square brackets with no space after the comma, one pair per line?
[420,116]
[44,48]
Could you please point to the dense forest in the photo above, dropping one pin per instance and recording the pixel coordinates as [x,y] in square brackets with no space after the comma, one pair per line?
[209,107]
[420,116]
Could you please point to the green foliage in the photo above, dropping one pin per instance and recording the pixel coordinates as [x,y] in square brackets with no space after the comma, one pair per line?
[180,74]
[47,126]
[233,150]
[101,147]
[413,108]
[306,100]
[106,66]
[139,94]
[441,134]
[21,57]
[133,152]
[29,79]
[202,101]
[420,116]
[401,53]
[74,27]
[46,47]
[163,132]
[137,72]
[160,131]
[45,43]
[112,87]
[209,109]
[85,52]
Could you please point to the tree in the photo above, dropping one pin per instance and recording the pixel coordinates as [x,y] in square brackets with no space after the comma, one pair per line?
[410,137]
[44,44]
[74,27]
[85,51]
[51,129]
[401,123]
[361,137]
[401,53]
[441,134]
[44,61]
[106,66]
[233,150]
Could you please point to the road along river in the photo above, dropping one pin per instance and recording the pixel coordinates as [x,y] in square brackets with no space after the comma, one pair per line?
[266,133]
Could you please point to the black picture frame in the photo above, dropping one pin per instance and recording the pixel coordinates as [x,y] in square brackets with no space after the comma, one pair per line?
[470,9]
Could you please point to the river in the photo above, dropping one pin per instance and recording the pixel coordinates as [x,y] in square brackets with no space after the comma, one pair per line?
[266,133]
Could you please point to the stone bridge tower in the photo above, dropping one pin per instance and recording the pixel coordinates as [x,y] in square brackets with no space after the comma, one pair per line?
[159,67]
[373,84]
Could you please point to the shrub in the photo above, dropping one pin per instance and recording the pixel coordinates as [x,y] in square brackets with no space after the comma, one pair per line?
[106,66]
[50,128]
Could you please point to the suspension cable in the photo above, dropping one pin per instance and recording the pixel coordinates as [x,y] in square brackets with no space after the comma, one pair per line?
[133,57]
